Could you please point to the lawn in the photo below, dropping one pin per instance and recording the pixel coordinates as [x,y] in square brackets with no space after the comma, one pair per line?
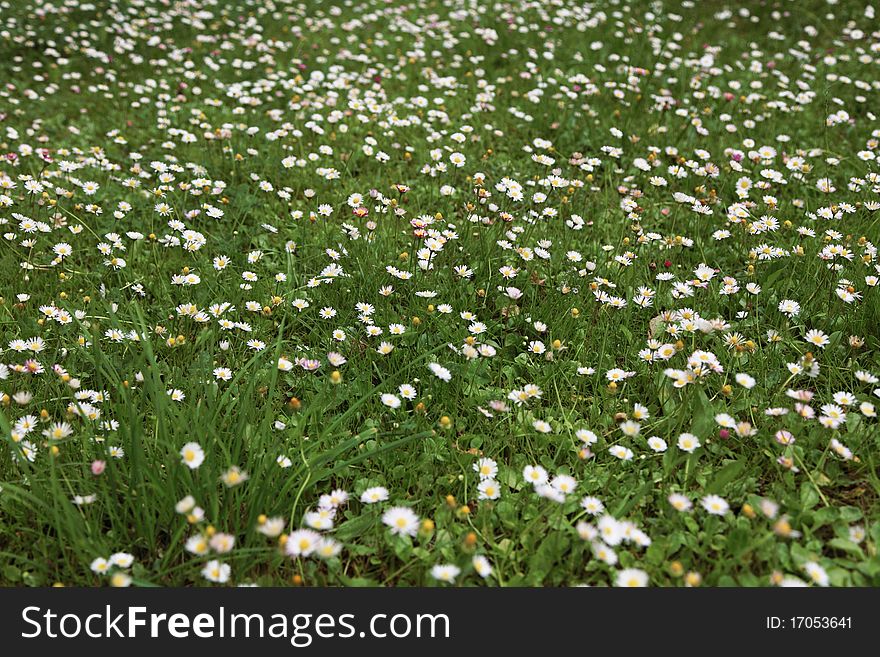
[439,293]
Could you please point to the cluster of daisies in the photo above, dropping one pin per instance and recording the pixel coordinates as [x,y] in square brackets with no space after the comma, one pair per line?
[472,272]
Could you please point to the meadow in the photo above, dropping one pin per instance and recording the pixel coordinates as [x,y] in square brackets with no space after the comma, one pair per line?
[423,293]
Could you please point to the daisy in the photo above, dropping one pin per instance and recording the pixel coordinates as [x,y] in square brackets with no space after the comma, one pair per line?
[302,542]
[486,468]
[535,475]
[817,338]
[445,573]
[489,489]
[631,577]
[374,495]
[401,520]
[192,455]
[688,442]
[391,401]
[216,571]
[592,505]
[816,573]
[482,566]
[657,444]
[680,502]
[564,484]
[715,505]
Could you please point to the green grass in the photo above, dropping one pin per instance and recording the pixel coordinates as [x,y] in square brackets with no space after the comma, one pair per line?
[95,86]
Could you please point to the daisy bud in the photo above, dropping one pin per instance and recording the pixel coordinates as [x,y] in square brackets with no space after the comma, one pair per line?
[426,529]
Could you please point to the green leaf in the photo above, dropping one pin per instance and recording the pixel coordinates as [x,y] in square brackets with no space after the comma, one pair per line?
[704,418]
[355,527]
[725,475]
[809,496]
[11,573]
[846,545]
[738,542]
[850,513]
